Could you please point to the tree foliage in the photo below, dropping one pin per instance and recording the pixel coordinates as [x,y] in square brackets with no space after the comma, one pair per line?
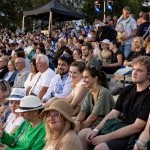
[12,10]
[36,3]
[89,8]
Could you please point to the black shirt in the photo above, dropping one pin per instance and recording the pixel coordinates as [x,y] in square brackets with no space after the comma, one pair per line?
[133,104]
[142,29]
[114,56]
[135,54]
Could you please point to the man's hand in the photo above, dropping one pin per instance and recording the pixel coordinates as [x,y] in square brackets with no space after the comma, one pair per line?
[99,139]
[91,135]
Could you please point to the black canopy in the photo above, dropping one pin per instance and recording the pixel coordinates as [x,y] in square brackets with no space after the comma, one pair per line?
[57,9]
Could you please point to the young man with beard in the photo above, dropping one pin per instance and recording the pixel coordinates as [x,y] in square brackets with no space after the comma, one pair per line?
[88,56]
[132,108]
[60,85]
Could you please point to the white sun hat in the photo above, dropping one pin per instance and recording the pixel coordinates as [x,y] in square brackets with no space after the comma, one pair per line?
[29,103]
[16,94]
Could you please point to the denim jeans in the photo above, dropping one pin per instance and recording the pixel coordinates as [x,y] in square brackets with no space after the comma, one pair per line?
[125,49]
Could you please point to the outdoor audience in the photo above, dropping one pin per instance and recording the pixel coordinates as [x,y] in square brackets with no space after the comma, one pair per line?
[122,126]
[77,68]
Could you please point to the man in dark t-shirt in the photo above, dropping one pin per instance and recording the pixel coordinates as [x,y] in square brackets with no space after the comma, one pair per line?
[132,105]
[144,26]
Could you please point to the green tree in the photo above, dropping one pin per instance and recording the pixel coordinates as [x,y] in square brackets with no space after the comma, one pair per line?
[88,8]
[11,12]
[36,3]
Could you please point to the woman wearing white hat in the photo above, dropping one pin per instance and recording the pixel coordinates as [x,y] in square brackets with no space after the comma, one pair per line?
[14,119]
[31,134]
[59,127]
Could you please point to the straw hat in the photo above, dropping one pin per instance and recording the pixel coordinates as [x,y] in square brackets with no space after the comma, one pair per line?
[16,94]
[29,103]
[63,107]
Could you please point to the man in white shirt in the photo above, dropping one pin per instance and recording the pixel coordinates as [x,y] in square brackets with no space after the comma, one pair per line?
[43,78]
[60,85]
[127,27]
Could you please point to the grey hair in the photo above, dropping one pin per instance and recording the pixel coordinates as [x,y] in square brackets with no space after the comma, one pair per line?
[43,58]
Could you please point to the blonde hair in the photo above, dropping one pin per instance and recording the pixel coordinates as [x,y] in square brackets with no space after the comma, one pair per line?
[50,134]
[140,41]
[144,60]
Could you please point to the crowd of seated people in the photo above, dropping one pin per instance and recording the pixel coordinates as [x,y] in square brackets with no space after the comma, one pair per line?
[61,82]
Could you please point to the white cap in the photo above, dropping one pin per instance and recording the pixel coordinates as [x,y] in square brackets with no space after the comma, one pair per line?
[106,41]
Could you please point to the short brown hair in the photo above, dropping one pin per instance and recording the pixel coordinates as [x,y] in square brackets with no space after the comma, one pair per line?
[127,8]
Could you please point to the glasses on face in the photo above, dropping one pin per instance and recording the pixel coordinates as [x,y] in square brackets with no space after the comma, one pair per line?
[53,114]
[18,63]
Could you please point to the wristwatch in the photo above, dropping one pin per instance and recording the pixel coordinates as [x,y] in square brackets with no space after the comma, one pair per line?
[96,130]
